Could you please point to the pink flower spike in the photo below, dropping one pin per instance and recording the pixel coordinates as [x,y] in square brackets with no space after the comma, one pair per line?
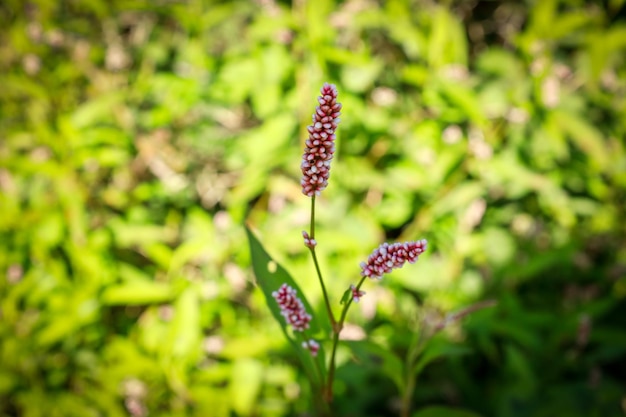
[356,294]
[292,308]
[308,242]
[387,257]
[311,345]
[320,146]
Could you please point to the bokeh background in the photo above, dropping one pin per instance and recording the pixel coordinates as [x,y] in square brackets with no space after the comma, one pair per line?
[137,138]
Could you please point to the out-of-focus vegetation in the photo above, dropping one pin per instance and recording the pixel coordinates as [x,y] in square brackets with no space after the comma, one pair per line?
[137,137]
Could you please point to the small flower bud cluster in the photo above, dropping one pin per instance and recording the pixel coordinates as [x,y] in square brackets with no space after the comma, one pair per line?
[387,257]
[320,146]
[291,308]
[311,345]
[308,242]
[356,294]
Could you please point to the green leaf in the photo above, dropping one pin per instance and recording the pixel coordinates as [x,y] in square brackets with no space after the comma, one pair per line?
[98,110]
[185,331]
[586,136]
[346,296]
[247,375]
[138,293]
[459,198]
[447,43]
[465,99]
[395,208]
[358,78]
[437,348]
[442,411]
[57,329]
[375,356]
[270,276]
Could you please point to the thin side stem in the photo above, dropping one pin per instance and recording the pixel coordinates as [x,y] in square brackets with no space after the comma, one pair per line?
[409,383]
[417,345]
[336,330]
[331,369]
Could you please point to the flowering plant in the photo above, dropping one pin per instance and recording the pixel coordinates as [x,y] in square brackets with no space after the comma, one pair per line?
[286,301]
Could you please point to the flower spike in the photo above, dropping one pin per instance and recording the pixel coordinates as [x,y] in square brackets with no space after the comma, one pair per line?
[320,146]
[387,257]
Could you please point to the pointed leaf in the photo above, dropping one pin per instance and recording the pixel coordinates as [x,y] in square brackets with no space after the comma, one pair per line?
[346,296]
[247,379]
[270,276]
[185,330]
[438,348]
[138,293]
[375,356]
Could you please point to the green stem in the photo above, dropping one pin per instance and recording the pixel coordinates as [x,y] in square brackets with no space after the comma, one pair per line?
[331,317]
[312,221]
[306,338]
[336,330]
[417,346]
[409,388]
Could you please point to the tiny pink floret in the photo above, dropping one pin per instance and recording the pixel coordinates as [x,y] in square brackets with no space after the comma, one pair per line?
[387,257]
[311,345]
[320,146]
[291,308]
[356,294]
[308,242]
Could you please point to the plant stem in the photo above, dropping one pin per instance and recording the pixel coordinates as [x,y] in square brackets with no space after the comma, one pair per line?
[417,345]
[312,221]
[414,350]
[331,365]
[331,317]
[306,337]
[336,330]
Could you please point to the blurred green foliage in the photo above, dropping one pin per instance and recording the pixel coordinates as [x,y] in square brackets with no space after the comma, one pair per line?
[136,137]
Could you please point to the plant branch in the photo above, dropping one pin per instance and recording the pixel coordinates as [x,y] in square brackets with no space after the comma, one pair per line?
[336,330]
